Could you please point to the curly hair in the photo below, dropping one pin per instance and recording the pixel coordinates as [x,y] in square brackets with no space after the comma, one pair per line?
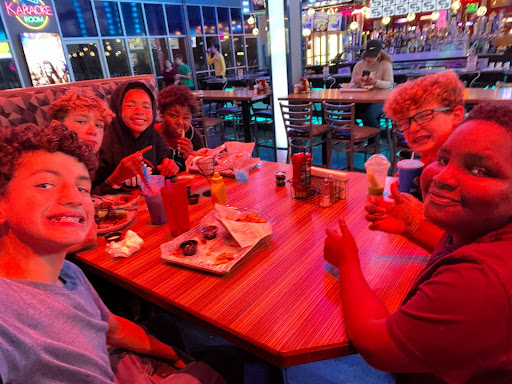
[17,141]
[79,98]
[496,112]
[177,94]
[442,88]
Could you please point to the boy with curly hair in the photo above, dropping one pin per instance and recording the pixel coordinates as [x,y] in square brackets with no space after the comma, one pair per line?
[177,104]
[54,327]
[83,112]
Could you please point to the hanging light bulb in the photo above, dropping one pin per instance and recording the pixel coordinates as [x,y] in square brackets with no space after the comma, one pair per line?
[481,11]
[311,11]
[306,32]
[411,16]
[251,20]
[330,11]
[434,16]
[366,12]
[456,5]
[354,25]
[386,20]
[255,31]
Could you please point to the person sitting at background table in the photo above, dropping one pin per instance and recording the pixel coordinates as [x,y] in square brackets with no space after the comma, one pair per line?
[213,57]
[373,71]
[131,131]
[455,324]
[426,110]
[54,326]
[177,104]
[83,112]
[184,72]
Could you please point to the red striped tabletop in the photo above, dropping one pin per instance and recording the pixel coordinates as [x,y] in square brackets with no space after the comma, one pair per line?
[278,302]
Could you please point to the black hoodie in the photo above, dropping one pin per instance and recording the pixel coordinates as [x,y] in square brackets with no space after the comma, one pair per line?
[119,142]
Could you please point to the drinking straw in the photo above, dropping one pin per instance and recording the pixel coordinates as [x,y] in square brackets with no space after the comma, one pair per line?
[412,156]
[145,171]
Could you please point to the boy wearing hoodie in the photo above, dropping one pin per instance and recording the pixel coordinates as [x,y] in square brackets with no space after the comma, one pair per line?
[132,130]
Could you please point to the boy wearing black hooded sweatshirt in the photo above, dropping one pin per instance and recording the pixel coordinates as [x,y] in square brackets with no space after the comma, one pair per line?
[131,131]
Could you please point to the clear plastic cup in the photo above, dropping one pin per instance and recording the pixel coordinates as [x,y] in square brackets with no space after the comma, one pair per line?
[377,167]
[153,199]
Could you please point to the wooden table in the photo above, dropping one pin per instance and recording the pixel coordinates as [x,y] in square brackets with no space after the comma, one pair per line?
[243,95]
[278,302]
[471,96]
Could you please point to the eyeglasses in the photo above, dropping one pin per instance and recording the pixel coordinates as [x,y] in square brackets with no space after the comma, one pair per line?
[419,118]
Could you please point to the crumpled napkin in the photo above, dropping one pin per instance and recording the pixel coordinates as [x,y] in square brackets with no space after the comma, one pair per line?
[126,247]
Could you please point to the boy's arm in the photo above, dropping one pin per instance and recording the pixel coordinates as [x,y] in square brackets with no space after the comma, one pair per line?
[123,333]
[210,59]
[364,314]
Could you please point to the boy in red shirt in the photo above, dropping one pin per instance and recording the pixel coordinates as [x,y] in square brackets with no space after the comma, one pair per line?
[455,324]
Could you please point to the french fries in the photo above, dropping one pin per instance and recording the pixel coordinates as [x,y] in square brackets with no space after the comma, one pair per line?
[249,218]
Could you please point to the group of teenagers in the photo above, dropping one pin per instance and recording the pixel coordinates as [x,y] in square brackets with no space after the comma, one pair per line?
[454,326]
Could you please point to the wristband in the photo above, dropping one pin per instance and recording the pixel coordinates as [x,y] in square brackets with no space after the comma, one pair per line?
[111,184]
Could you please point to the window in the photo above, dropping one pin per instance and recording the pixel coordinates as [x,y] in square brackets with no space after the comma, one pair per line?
[223,20]
[175,19]
[139,56]
[133,21]
[85,61]
[178,46]
[249,27]
[236,21]
[76,18]
[155,19]
[238,42]
[3,36]
[199,53]
[117,59]
[8,75]
[227,51]
[108,18]
[194,20]
[160,52]
[210,21]
[252,51]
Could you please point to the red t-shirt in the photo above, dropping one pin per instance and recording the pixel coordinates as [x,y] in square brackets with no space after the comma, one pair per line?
[457,318]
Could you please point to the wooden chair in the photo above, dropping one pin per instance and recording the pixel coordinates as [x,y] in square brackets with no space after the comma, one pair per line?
[399,147]
[206,126]
[300,130]
[346,136]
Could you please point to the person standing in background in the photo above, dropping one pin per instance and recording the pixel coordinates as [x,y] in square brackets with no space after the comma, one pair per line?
[170,74]
[215,58]
[374,71]
[184,72]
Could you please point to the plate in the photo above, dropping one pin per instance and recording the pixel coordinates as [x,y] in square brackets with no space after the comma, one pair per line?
[116,201]
[117,223]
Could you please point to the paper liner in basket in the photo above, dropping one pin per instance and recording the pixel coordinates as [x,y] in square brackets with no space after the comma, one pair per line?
[246,234]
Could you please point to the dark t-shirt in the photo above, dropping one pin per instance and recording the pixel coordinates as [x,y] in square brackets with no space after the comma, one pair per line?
[457,318]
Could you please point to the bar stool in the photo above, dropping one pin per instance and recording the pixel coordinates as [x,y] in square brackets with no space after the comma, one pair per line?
[263,123]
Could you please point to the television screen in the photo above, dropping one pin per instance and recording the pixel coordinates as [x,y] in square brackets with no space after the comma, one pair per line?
[258,5]
[45,58]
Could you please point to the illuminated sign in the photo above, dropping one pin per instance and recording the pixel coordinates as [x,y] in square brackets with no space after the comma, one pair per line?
[33,14]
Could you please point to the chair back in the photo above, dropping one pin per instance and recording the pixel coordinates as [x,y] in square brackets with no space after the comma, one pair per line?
[198,121]
[340,118]
[297,118]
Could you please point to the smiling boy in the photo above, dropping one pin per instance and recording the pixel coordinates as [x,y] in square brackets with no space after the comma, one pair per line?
[54,328]
[84,113]
[177,104]
[131,131]
[455,324]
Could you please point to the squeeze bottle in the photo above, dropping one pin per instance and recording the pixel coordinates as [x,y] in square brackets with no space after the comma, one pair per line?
[218,189]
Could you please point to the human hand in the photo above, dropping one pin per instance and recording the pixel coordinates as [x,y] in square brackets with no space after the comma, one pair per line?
[168,168]
[185,147]
[127,168]
[397,216]
[370,81]
[358,80]
[340,247]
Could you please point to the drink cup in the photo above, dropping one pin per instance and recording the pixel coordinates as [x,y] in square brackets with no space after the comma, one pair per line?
[408,171]
[242,175]
[206,165]
[153,199]
[377,168]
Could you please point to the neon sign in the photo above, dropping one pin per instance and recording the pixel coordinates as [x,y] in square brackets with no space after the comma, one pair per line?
[33,14]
